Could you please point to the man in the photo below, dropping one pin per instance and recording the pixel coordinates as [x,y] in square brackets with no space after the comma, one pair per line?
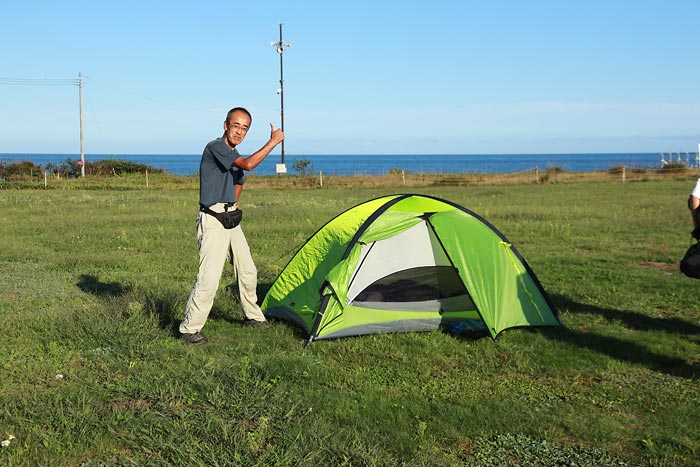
[221,181]
[694,206]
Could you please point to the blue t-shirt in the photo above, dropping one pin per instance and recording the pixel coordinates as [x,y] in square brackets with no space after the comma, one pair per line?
[217,174]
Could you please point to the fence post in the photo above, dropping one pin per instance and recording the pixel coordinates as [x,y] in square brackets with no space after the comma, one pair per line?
[537,175]
[403,177]
[320,177]
[147,178]
[623,174]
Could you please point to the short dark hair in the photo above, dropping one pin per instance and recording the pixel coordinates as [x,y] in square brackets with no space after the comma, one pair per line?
[239,109]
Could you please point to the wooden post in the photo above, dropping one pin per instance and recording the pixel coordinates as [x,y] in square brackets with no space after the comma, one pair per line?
[45,181]
[320,177]
[146,178]
[623,174]
[537,175]
[403,177]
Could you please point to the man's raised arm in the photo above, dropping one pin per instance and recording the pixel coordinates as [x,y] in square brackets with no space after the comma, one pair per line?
[252,161]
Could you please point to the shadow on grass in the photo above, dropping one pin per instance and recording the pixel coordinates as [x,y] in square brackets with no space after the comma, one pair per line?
[631,320]
[229,308]
[217,311]
[92,285]
[163,304]
[624,350]
[168,308]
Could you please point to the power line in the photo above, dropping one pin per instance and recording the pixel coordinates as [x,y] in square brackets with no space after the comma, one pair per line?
[164,103]
[112,88]
[56,82]
[39,81]
[129,92]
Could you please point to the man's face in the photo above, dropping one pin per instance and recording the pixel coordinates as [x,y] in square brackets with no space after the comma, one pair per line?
[236,128]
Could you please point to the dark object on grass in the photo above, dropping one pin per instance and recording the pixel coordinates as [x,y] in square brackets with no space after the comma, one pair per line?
[690,264]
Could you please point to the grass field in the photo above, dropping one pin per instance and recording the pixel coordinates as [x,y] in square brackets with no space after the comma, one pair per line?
[95,275]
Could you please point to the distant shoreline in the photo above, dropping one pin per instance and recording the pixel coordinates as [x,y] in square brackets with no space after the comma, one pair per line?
[367,164]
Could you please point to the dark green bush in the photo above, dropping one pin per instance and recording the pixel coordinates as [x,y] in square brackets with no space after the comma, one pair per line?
[674,167]
[303,166]
[20,169]
[70,168]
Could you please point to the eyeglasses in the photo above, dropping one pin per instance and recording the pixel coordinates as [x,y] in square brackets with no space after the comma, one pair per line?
[238,126]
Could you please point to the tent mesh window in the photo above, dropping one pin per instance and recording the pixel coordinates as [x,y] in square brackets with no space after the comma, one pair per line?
[429,288]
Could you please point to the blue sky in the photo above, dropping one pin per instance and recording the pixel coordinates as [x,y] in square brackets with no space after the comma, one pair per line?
[361,77]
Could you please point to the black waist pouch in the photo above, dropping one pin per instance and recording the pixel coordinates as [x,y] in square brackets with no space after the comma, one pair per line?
[228,219]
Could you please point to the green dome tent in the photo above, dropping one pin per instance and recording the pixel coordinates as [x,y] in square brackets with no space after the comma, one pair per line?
[407,263]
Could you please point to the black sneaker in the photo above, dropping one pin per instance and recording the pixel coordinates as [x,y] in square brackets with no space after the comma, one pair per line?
[193,338]
[254,323]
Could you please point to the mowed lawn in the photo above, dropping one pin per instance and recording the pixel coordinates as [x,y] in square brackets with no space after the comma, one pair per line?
[93,281]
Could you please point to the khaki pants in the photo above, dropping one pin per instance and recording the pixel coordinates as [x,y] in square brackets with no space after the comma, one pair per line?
[216,246]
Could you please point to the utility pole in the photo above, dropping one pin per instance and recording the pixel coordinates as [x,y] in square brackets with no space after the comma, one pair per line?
[80,97]
[280,46]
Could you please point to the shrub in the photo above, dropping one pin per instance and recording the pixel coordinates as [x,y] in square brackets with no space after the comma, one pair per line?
[303,166]
[118,167]
[20,169]
[396,171]
[555,170]
[674,167]
[68,168]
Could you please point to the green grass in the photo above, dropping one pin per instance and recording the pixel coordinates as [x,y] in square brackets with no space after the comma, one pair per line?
[95,275]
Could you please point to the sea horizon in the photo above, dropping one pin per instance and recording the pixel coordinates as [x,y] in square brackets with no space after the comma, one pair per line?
[380,164]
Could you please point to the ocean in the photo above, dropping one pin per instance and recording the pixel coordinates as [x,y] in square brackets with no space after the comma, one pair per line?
[381,164]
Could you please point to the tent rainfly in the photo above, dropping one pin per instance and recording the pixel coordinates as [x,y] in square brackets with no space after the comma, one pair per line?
[404,263]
